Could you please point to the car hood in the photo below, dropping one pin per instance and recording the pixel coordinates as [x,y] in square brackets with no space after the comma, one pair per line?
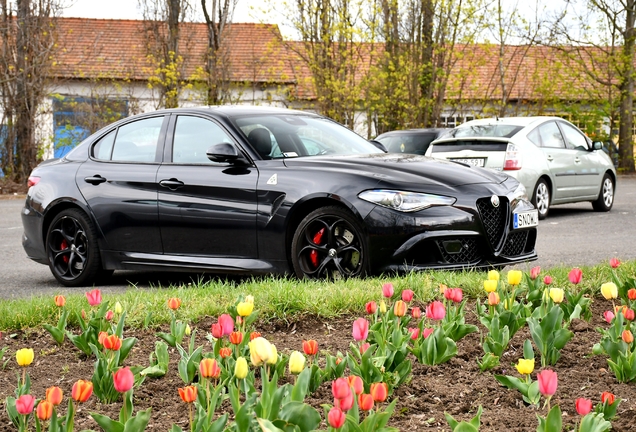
[400,168]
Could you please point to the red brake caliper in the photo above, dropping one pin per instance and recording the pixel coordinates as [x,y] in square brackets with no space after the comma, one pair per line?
[63,246]
[313,255]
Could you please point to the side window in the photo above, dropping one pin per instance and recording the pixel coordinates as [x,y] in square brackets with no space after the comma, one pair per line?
[573,138]
[137,141]
[551,135]
[193,136]
[104,147]
[535,137]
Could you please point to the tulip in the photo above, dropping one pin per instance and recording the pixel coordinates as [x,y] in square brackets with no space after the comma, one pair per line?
[360,329]
[614,263]
[112,343]
[236,338]
[387,290]
[188,394]
[547,280]
[609,316]
[245,308]
[382,307]
[427,332]
[24,404]
[609,290]
[260,351]
[547,382]
[225,352]
[365,402]
[123,380]
[415,332]
[118,308]
[556,294]
[607,397]
[399,308]
[457,295]
[54,395]
[490,285]
[575,275]
[109,315]
[627,336]
[407,295]
[188,330]
[436,311]
[345,403]
[336,418]
[620,309]
[240,368]
[310,347]
[82,390]
[24,356]
[227,324]
[448,293]
[94,297]
[217,331]
[239,320]
[44,410]
[371,307]
[364,347]
[583,406]
[629,314]
[254,335]
[534,272]
[296,362]
[514,277]
[525,366]
[340,388]
[416,312]
[631,294]
[493,275]
[209,368]
[355,382]
[273,357]
[174,303]
[379,391]
[59,300]
[493,299]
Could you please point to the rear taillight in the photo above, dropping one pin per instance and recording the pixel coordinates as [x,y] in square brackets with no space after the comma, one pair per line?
[512,160]
[33,180]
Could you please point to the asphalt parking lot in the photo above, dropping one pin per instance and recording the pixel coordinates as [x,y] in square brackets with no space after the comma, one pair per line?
[572,235]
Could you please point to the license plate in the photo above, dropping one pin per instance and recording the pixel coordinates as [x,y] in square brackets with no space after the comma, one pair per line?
[526,219]
[478,162]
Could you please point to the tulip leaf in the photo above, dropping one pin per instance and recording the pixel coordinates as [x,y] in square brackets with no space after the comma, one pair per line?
[267,426]
[594,422]
[513,383]
[301,387]
[528,352]
[107,423]
[138,422]
[300,414]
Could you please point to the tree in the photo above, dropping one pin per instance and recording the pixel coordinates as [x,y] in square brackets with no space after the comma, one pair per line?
[27,44]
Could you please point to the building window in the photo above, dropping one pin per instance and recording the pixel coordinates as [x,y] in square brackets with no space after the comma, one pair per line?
[456,120]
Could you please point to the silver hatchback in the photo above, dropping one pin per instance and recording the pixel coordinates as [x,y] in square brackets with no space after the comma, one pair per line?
[551,157]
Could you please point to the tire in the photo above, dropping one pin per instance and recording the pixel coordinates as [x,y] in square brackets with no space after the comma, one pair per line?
[605,199]
[328,244]
[541,198]
[71,245]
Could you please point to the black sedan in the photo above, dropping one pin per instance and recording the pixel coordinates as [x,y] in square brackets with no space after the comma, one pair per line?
[262,190]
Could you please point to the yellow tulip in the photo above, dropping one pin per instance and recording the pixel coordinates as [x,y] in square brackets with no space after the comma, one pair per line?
[24,356]
[525,366]
[514,277]
[296,363]
[260,351]
[609,290]
[546,295]
[493,275]
[249,299]
[556,294]
[273,358]
[382,306]
[188,330]
[118,309]
[490,285]
[508,303]
[241,368]
[244,308]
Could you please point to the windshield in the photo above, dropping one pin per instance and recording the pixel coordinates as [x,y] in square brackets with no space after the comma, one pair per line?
[486,130]
[407,143]
[283,136]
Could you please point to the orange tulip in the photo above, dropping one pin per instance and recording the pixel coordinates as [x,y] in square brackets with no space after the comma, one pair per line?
[174,303]
[356,384]
[310,347]
[493,299]
[379,391]
[44,410]
[112,343]
[60,300]
[254,335]
[607,397]
[100,338]
[236,338]
[627,336]
[82,390]
[209,368]
[399,309]
[188,394]
[365,402]
[225,352]
[54,395]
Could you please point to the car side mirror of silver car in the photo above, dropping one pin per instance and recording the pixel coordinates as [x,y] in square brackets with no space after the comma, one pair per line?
[223,152]
[597,145]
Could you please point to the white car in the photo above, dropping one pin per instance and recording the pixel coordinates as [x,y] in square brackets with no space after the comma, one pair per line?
[551,157]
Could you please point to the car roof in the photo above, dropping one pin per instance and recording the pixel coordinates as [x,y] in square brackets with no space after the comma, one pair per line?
[414,131]
[238,110]
[519,121]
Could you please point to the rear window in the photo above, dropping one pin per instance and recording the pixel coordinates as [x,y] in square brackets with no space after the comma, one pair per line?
[407,143]
[486,130]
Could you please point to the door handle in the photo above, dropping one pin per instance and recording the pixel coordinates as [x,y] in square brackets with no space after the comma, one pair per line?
[172,184]
[577,160]
[550,158]
[95,180]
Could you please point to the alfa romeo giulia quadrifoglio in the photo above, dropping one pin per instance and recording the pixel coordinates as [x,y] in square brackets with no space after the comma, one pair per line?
[251,190]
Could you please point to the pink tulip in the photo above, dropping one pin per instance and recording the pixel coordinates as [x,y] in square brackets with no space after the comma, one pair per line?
[583,406]
[227,324]
[217,331]
[94,297]
[364,347]
[575,275]
[614,263]
[24,404]
[356,384]
[345,403]
[427,332]
[456,295]
[109,315]
[123,380]
[360,329]
[407,295]
[415,332]
[387,290]
[336,418]
[609,316]
[547,382]
[534,272]
[340,388]
[416,312]
[547,280]
[436,311]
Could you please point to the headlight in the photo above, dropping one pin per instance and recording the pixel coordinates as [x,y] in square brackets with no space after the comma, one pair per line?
[520,193]
[405,201]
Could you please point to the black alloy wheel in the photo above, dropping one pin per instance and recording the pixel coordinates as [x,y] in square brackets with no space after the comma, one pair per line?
[328,244]
[71,244]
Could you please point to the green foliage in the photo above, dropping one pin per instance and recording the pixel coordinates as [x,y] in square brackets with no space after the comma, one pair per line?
[550,334]
[59,330]
[435,349]
[463,426]
[552,422]
[159,360]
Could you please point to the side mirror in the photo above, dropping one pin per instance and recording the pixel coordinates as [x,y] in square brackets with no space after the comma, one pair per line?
[224,152]
[379,145]
[597,145]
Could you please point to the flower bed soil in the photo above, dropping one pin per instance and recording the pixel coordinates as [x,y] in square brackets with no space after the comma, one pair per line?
[457,387]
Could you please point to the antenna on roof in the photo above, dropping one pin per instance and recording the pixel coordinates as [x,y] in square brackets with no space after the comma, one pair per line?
[496,117]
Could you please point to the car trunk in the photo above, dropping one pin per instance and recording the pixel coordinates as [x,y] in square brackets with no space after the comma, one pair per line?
[489,153]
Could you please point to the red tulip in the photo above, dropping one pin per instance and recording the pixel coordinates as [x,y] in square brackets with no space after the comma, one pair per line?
[188,394]
[456,295]
[364,347]
[436,311]
[227,324]
[236,338]
[82,390]
[59,300]
[123,380]
[416,312]
[415,332]
[407,295]
[534,272]
[336,418]
[614,262]
[583,406]
[628,314]
[217,331]
[360,329]
[379,391]
[575,275]
[399,308]
[371,307]
[310,347]
[209,368]
[547,382]
[547,280]
[631,294]
[44,411]
[607,397]
[254,335]
[365,402]
[609,316]
[94,297]
[387,290]
[225,352]
[355,382]
[112,343]
[340,388]
[54,395]
[346,403]
[24,404]
[427,332]
[174,303]
[109,315]
[627,336]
